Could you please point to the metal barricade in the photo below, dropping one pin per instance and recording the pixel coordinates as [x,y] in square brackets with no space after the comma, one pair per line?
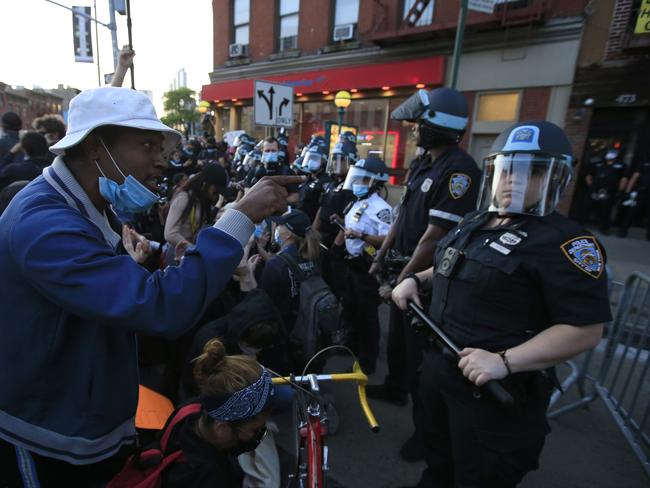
[621,380]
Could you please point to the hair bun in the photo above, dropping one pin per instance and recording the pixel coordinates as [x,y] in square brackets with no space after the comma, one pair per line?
[210,361]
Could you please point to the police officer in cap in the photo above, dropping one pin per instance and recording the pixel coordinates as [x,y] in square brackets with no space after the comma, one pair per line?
[366,225]
[519,288]
[441,189]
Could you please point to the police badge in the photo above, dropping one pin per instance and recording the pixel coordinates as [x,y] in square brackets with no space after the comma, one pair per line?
[584,253]
[459,183]
[426,185]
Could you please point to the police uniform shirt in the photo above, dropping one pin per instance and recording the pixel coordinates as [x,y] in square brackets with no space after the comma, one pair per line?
[514,281]
[371,215]
[334,200]
[439,192]
[607,176]
[310,194]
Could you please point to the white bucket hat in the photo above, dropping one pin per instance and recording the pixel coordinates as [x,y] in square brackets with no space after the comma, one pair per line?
[112,106]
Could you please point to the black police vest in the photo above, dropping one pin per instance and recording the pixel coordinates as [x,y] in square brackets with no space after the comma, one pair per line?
[481,296]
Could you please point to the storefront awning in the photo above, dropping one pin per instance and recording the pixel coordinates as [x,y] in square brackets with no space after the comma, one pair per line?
[429,71]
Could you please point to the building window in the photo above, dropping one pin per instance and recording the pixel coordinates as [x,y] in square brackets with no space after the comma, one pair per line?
[241,20]
[346,17]
[289,24]
[498,107]
[425,18]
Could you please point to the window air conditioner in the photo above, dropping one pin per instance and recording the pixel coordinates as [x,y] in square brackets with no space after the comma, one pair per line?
[238,50]
[344,32]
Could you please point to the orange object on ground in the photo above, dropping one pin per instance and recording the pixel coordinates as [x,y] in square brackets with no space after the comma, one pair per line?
[153,409]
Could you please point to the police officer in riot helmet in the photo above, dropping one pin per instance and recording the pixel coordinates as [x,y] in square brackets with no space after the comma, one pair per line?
[335,198]
[441,189]
[366,224]
[313,164]
[342,157]
[519,288]
[246,170]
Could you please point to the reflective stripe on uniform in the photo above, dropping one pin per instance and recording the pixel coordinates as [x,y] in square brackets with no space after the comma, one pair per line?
[445,215]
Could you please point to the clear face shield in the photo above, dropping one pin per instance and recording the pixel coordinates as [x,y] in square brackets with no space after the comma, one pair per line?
[338,164]
[358,177]
[521,183]
[311,162]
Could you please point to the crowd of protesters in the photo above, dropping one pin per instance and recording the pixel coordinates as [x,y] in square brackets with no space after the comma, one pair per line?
[201,251]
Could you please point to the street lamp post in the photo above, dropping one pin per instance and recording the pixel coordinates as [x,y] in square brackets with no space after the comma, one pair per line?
[342,100]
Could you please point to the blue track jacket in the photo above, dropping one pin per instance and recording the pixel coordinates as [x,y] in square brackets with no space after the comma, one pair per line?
[70,308]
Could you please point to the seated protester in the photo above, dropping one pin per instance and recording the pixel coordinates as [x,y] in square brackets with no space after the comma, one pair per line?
[250,328]
[190,208]
[36,158]
[236,394]
[297,239]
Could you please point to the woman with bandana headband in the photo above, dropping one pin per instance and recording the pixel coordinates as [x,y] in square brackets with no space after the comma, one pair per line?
[235,394]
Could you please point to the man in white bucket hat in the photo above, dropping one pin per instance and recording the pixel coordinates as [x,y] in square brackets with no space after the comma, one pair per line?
[71,305]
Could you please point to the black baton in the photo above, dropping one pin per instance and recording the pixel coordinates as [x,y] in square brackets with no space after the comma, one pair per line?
[495,388]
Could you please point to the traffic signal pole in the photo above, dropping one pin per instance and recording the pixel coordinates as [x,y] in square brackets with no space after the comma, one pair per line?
[458,45]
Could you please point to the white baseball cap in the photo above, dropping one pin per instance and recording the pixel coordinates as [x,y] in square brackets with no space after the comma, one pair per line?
[112,106]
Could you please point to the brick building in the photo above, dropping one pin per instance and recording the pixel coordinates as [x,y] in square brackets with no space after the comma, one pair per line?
[28,104]
[610,102]
[517,63]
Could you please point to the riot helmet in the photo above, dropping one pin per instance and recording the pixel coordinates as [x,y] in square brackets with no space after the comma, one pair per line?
[529,166]
[243,138]
[313,160]
[343,155]
[366,176]
[441,115]
[252,159]
[241,152]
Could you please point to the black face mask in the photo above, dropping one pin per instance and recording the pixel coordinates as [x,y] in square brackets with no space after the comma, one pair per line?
[250,444]
[429,138]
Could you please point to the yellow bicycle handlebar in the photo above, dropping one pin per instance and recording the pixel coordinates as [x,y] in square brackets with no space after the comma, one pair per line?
[357,375]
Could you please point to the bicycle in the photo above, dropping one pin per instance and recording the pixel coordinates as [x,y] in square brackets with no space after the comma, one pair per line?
[311,423]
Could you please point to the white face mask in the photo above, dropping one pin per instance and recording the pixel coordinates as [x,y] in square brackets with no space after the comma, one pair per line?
[248,350]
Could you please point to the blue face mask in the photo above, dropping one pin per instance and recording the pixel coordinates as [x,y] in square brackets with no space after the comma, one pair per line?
[129,197]
[259,230]
[359,190]
[276,237]
[270,157]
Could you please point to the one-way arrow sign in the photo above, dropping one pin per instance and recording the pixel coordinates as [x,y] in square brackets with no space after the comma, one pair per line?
[273,104]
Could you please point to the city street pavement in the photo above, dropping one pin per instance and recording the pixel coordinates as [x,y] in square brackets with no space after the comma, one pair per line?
[585,448]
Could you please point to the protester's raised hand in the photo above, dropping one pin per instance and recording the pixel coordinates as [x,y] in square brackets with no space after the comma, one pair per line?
[126,57]
[267,197]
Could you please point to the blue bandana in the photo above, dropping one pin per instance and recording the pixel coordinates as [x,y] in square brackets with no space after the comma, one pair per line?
[243,404]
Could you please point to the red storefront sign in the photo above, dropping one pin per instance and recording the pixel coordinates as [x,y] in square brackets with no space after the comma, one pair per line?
[429,71]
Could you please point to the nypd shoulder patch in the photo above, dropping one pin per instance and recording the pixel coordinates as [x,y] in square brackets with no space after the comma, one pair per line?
[585,254]
[459,183]
[384,215]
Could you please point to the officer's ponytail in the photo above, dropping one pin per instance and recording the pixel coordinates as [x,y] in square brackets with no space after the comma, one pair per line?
[309,246]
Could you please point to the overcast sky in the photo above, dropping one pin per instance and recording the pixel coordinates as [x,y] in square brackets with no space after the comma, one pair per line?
[36,44]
